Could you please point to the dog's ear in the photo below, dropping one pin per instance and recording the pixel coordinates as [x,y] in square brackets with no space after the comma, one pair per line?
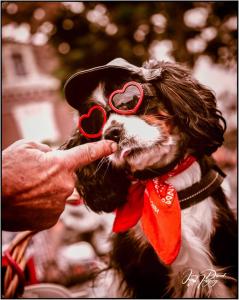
[194,108]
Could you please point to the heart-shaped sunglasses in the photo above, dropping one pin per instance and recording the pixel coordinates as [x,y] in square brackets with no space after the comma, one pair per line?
[125,101]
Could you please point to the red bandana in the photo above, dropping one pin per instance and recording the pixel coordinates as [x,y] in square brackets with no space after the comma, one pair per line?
[156,203]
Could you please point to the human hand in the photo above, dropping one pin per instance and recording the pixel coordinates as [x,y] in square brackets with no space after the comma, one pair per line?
[36,181]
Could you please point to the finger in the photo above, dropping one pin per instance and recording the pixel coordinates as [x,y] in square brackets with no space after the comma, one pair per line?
[27,143]
[82,155]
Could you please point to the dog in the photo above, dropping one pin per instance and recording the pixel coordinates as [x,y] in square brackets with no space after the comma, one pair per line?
[166,125]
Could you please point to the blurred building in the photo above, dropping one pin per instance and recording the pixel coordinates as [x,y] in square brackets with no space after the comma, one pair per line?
[32,103]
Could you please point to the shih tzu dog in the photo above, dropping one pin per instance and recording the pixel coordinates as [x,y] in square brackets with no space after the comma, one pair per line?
[174,233]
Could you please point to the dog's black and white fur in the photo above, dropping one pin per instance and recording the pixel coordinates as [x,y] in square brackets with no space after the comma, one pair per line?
[148,145]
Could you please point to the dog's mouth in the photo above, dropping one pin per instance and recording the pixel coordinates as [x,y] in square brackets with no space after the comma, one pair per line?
[132,150]
[129,152]
[136,157]
[125,154]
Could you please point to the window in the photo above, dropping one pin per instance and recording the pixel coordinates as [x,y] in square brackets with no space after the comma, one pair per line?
[19,64]
[36,121]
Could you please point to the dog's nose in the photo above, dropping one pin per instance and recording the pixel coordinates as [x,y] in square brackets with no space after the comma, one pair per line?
[113,133]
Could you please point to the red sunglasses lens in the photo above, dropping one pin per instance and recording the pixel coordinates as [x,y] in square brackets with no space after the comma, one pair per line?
[91,124]
[126,100]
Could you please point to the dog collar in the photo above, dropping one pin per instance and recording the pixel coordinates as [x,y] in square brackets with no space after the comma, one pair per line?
[200,190]
[196,192]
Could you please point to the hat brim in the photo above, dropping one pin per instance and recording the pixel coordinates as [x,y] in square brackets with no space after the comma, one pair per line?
[81,84]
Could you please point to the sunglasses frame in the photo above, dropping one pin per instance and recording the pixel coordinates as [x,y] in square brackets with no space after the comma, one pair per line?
[110,103]
[87,115]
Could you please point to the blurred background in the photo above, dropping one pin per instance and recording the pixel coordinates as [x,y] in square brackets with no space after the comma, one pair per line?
[43,43]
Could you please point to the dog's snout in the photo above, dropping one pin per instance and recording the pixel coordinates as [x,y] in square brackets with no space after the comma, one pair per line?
[113,133]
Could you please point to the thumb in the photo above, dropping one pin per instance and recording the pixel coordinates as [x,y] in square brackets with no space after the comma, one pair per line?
[82,155]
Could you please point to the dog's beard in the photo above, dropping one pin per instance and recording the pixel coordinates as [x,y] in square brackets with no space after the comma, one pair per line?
[142,145]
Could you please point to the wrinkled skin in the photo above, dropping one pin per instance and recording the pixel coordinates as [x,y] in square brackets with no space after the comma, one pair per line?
[36,181]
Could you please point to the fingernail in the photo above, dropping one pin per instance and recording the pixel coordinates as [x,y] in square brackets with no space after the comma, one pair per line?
[114,146]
